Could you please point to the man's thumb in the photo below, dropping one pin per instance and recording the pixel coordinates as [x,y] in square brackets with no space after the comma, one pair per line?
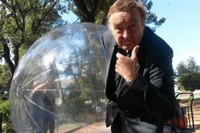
[134,52]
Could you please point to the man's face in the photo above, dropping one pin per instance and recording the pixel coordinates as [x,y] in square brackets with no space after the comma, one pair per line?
[127,29]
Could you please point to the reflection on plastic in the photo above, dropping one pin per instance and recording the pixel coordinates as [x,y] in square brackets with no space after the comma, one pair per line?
[58,84]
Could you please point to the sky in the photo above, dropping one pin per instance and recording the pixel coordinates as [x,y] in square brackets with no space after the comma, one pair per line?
[181,29]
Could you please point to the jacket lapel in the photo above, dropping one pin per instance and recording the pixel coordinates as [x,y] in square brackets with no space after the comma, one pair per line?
[110,73]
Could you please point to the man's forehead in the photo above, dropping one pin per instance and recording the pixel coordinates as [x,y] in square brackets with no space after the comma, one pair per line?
[121,17]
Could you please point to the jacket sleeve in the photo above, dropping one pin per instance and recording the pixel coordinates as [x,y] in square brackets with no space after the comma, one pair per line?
[155,92]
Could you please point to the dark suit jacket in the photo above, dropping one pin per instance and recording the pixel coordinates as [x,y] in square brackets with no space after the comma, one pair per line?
[151,96]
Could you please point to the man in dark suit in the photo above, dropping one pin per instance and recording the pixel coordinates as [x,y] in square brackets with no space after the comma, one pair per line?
[139,75]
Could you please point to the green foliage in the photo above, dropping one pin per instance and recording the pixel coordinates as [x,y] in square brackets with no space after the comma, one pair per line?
[96,11]
[188,74]
[24,21]
[4,79]
[152,20]
[191,81]
[7,123]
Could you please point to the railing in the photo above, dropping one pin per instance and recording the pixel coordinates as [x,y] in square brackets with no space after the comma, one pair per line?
[185,119]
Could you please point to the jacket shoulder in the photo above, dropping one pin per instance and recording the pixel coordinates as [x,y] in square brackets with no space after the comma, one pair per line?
[155,45]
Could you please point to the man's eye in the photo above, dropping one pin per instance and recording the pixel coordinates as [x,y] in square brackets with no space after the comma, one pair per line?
[133,27]
[118,28]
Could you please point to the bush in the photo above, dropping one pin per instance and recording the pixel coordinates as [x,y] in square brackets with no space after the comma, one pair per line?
[7,126]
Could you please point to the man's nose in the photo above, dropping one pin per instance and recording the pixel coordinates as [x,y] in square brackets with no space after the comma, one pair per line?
[126,33]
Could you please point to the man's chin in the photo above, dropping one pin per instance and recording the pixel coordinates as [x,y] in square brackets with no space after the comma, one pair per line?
[127,48]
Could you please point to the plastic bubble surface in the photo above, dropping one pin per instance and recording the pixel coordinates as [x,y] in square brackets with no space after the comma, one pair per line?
[58,84]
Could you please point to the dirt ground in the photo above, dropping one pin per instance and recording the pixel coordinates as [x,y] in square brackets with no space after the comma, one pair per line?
[99,127]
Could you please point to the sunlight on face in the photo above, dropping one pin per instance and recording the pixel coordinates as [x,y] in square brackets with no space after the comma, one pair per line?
[127,28]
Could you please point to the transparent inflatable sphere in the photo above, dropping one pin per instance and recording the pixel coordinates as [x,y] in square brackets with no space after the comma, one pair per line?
[58,84]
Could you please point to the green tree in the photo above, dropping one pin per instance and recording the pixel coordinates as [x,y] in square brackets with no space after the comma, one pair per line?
[24,21]
[4,80]
[152,19]
[96,11]
[21,23]
[188,74]
[5,112]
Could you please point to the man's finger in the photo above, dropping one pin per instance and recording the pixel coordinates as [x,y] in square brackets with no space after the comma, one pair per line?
[134,52]
[119,56]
